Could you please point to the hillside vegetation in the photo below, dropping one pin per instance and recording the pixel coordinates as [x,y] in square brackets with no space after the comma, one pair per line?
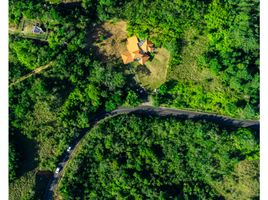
[210,63]
[136,157]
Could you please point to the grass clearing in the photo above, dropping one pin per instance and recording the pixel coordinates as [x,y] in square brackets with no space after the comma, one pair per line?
[154,73]
[109,41]
[194,46]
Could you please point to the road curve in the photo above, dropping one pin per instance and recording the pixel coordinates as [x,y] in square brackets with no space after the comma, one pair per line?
[150,110]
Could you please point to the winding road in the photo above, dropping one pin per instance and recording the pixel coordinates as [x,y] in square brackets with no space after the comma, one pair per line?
[149,110]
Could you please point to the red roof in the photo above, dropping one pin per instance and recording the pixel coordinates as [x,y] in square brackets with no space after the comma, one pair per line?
[135,51]
[127,57]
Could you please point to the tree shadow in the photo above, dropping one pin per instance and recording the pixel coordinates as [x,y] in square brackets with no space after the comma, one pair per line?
[95,35]
[222,122]
[42,179]
[27,150]
[171,84]
[143,69]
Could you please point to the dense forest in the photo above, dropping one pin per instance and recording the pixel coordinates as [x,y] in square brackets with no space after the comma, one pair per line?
[51,108]
[137,157]
[232,28]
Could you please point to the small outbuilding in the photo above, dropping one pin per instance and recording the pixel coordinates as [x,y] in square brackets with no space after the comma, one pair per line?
[37,29]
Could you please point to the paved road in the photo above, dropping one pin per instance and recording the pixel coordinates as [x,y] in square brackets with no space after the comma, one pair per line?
[150,110]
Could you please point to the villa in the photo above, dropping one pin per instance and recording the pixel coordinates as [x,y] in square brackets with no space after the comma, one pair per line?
[137,50]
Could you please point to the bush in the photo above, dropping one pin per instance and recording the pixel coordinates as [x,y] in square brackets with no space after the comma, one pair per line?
[132,99]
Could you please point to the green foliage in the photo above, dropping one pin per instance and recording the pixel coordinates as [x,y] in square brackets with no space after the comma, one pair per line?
[53,107]
[132,99]
[197,97]
[12,162]
[242,183]
[131,156]
[29,54]
[23,188]
[233,31]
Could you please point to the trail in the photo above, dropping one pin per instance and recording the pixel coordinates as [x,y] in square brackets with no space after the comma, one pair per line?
[36,71]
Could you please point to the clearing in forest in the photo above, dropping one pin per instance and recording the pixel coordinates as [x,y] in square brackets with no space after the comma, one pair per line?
[194,45]
[108,39]
[25,27]
[154,72]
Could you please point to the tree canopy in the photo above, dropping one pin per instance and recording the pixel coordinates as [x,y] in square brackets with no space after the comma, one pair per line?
[137,157]
[55,106]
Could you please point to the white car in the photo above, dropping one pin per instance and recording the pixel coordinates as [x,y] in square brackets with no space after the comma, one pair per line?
[69,149]
[57,170]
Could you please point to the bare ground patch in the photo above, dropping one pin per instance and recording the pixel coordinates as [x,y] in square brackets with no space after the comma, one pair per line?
[109,39]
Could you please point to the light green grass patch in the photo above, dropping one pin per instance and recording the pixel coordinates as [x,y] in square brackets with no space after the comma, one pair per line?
[194,46]
[157,70]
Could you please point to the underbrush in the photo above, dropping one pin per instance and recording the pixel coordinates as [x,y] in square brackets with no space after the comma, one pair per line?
[191,95]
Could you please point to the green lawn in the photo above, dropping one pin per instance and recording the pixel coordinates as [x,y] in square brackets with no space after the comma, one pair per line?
[155,71]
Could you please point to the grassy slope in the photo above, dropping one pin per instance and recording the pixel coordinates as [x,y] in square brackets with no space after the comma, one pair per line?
[157,70]
[194,46]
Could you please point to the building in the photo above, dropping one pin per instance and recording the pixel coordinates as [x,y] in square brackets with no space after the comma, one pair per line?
[37,29]
[137,50]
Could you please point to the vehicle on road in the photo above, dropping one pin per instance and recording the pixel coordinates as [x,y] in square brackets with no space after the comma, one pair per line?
[69,149]
[57,170]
